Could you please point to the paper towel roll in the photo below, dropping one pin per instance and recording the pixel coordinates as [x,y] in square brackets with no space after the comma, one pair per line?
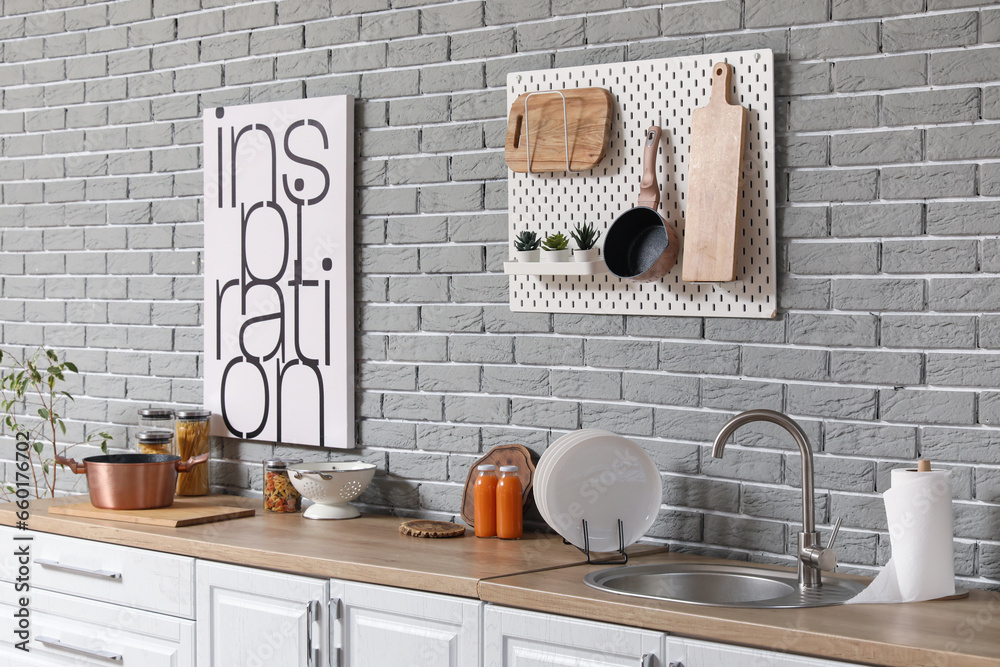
[922,566]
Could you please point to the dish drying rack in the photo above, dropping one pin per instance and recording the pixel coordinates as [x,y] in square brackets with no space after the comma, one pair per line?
[603,561]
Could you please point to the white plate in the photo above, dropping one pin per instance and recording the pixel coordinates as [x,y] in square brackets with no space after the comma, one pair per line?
[600,477]
[546,460]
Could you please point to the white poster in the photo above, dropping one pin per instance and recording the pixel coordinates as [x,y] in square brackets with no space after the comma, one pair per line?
[279,272]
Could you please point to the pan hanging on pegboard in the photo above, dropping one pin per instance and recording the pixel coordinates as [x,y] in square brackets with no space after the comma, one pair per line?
[661,92]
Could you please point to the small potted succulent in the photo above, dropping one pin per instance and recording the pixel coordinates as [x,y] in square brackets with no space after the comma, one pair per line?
[586,237]
[556,247]
[526,246]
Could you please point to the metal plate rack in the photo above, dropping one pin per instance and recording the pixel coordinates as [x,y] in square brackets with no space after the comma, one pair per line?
[648,92]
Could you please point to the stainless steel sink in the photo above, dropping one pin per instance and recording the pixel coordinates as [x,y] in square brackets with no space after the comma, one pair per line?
[721,585]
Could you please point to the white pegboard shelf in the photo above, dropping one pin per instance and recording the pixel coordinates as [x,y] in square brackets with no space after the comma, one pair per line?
[571,268]
[648,92]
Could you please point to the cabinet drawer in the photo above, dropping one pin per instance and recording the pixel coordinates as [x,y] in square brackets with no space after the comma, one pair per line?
[137,578]
[67,630]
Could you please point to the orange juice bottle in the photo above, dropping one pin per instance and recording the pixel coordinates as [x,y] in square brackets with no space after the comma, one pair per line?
[510,506]
[484,501]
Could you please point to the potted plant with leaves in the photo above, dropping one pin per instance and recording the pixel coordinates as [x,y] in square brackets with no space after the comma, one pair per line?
[585,236]
[32,403]
[556,247]
[526,246]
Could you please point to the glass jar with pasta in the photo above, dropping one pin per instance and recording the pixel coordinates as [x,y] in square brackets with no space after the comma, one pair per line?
[279,494]
[191,429]
[155,442]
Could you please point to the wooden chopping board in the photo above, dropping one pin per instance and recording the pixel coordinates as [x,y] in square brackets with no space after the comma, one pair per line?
[587,126]
[184,512]
[501,455]
[718,134]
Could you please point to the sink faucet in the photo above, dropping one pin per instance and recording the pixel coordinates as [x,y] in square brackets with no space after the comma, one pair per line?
[812,558]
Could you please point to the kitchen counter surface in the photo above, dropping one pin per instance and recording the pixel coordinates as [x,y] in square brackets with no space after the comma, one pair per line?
[953,632]
[368,549]
[541,573]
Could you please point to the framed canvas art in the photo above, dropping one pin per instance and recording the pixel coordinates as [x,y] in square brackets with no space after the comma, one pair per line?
[279,271]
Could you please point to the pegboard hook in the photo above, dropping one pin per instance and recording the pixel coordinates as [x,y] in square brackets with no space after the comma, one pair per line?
[527,135]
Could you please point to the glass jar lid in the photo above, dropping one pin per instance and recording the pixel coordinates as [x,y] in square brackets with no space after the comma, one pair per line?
[281,463]
[508,468]
[486,467]
[155,437]
[194,415]
[156,413]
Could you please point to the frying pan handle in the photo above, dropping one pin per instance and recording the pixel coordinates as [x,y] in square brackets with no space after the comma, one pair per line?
[649,189]
[78,468]
[186,466]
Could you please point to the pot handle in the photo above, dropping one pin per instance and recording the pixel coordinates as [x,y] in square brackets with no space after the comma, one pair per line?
[186,466]
[78,468]
[649,189]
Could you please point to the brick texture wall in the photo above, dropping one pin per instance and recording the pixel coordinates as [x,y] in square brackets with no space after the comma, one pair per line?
[887,344]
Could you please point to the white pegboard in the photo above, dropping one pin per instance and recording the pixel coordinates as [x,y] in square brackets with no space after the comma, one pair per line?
[649,92]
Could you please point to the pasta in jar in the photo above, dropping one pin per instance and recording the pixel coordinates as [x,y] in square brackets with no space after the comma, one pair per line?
[191,428]
[155,442]
[279,494]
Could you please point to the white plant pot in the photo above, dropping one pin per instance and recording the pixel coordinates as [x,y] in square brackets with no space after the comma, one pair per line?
[526,255]
[556,255]
[590,255]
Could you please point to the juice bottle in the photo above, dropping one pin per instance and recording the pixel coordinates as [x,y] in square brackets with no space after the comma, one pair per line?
[510,506]
[484,501]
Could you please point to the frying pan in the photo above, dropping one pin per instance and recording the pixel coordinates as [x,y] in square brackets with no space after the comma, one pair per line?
[640,245]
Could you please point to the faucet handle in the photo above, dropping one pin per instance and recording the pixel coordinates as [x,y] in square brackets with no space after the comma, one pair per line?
[833,535]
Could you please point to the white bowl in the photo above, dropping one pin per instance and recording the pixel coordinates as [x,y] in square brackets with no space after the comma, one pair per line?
[331,486]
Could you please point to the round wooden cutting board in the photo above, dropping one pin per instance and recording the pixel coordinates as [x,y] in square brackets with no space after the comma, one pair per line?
[501,455]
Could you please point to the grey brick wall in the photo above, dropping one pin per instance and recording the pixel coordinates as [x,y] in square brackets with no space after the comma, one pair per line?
[885,348]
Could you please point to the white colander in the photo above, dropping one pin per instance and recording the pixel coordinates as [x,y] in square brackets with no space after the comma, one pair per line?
[331,486]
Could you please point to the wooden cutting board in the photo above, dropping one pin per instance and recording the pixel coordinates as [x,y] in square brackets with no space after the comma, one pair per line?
[587,126]
[501,455]
[711,229]
[184,512]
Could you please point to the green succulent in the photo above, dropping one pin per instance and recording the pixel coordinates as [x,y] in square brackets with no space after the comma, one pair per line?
[557,241]
[585,236]
[526,241]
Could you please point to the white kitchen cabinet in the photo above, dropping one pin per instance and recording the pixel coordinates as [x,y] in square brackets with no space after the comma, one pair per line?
[515,638]
[696,653]
[68,630]
[380,626]
[136,578]
[254,618]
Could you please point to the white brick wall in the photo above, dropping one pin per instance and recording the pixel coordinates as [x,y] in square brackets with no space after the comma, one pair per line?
[888,340]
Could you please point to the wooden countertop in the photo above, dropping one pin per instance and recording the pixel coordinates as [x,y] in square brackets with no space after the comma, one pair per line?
[956,632]
[541,573]
[368,549]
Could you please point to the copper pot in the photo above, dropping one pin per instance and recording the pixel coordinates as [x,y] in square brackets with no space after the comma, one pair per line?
[132,481]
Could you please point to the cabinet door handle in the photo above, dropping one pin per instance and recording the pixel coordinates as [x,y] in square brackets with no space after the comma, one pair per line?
[647,660]
[56,565]
[333,609]
[312,616]
[678,663]
[102,655]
